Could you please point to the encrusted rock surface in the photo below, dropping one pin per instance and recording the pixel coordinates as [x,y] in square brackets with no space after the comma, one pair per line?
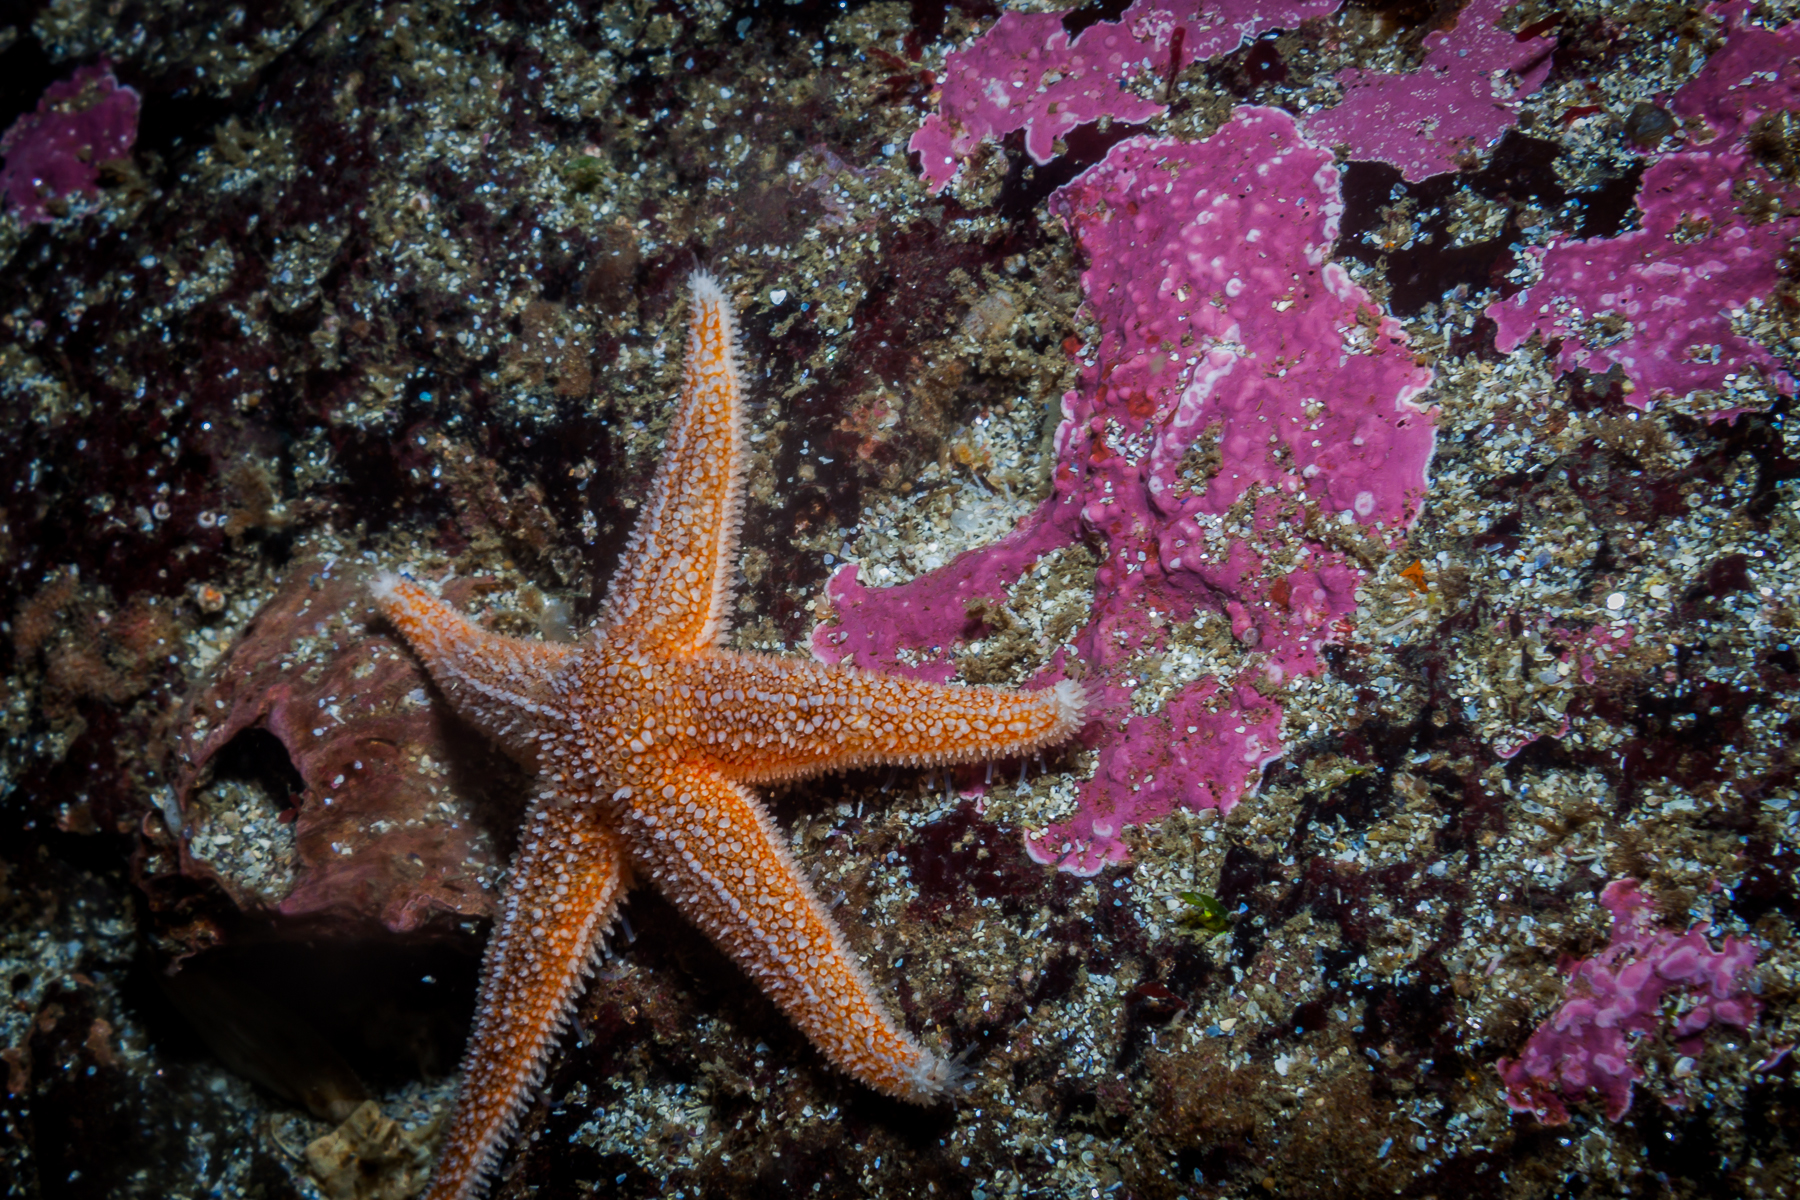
[400,285]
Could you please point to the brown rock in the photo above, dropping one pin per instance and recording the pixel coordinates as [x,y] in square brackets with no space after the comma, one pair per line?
[319,777]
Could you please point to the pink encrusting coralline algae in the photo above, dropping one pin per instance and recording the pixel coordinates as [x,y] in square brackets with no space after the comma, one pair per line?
[1660,300]
[1244,393]
[1025,72]
[57,150]
[1616,998]
[1463,96]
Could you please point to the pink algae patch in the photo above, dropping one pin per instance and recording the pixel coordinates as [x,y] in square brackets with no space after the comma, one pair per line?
[1616,998]
[1658,301]
[56,150]
[1462,97]
[1224,329]
[1026,73]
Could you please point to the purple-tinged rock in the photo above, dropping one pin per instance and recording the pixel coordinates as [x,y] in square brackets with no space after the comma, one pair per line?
[1660,300]
[1615,998]
[1460,100]
[56,151]
[1244,394]
[1026,73]
[318,777]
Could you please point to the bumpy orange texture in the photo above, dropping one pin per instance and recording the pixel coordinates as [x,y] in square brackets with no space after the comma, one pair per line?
[644,734]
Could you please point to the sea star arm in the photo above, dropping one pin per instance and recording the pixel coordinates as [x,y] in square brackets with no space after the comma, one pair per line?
[500,684]
[789,718]
[564,890]
[673,584]
[713,851]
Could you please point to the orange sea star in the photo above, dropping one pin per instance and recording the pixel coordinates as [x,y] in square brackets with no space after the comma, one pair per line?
[644,734]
